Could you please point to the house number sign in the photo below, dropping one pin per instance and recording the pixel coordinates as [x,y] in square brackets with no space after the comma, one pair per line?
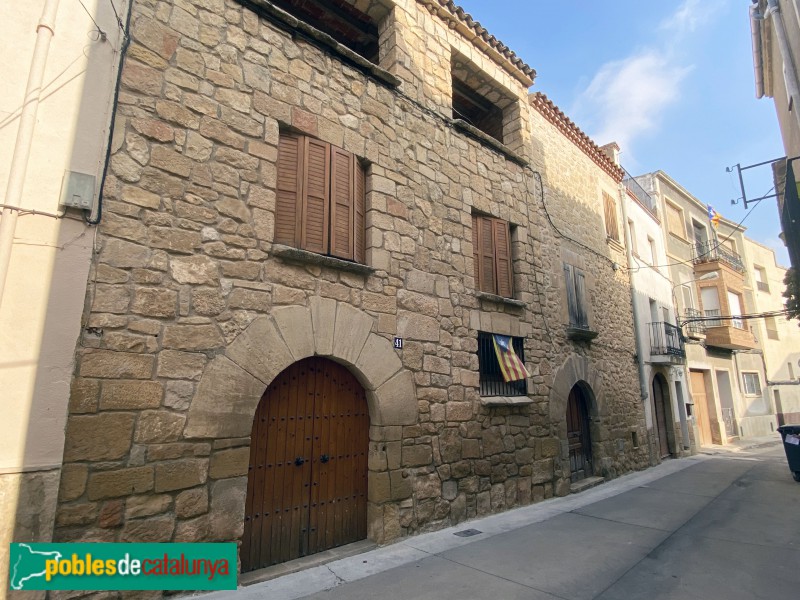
[398,343]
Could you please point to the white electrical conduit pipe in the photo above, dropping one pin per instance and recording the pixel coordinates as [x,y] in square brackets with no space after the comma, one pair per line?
[45,31]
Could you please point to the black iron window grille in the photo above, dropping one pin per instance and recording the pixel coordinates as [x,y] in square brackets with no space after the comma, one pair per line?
[491,378]
[666,338]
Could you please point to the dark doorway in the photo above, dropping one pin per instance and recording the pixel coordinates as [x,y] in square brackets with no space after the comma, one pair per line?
[578,437]
[307,482]
[660,397]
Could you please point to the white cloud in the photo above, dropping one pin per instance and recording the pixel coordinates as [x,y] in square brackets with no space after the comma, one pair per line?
[690,15]
[628,97]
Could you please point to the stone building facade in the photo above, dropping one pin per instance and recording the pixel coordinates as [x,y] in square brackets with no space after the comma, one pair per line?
[193,311]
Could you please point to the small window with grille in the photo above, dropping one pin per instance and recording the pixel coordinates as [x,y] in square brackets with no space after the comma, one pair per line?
[492,382]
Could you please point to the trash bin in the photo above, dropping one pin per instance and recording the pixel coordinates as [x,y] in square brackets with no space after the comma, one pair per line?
[790,434]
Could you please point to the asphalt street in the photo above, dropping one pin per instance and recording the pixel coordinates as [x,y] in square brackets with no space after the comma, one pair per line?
[724,525]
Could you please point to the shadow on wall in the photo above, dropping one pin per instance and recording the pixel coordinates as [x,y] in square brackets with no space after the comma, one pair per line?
[28,498]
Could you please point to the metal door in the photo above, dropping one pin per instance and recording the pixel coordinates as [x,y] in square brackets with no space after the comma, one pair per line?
[661,416]
[307,481]
[578,438]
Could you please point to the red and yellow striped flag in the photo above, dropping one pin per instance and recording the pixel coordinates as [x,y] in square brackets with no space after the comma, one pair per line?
[511,366]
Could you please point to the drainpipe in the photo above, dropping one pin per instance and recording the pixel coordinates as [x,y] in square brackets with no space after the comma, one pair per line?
[789,73]
[45,31]
[635,305]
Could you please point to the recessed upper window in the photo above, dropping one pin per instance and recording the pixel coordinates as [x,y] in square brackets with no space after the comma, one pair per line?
[321,198]
[501,365]
[480,101]
[351,27]
[491,248]
[576,296]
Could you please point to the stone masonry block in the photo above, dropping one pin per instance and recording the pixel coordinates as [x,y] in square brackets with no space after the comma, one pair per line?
[225,402]
[105,436]
[260,350]
[350,333]
[378,360]
[294,324]
[116,484]
[395,402]
[180,474]
[323,320]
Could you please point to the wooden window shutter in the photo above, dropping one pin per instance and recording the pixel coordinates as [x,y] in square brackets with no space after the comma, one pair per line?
[487,255]
[476,255]
[361,211]
[315,216]
[342,203]
[572,303]
[580,299]
[289,189]
[503,267]
[612,229]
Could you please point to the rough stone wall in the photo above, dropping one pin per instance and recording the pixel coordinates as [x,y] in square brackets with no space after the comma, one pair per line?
[186,265]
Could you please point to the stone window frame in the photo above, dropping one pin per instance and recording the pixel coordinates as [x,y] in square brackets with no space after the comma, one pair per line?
[577,285]
[491,92]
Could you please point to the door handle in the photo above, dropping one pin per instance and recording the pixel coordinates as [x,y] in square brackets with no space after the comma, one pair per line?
[299,461]
[324,458]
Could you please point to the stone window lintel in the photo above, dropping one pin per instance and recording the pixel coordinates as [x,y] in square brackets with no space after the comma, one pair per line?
[500,299]
[269,10]
[506,400]
[289,254]
[581,335]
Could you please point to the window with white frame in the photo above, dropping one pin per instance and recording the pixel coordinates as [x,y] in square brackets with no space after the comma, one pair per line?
[752,384]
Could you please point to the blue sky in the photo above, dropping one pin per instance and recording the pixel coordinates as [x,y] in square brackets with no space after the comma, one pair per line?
[671,82]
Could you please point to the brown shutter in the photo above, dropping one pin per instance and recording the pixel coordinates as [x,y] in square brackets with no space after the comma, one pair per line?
[476,255]
[572,302]
[612,229]
[342,203]
[289,189]
[488,281]
[580,299]
[316,194]
[361,211]
[502,250]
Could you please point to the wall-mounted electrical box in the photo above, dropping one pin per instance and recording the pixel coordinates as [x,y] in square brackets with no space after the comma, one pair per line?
[77,190]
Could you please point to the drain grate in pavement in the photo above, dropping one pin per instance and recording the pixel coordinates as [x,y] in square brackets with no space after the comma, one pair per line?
[467,533]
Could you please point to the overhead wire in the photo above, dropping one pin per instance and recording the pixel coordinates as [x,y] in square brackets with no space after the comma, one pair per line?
[100,29]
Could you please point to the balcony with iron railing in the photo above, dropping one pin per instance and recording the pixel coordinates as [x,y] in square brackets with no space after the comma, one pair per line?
[640,193]
[666,343]
[708,252]
[693,327]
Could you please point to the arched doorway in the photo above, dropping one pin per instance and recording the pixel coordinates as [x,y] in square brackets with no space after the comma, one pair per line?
[660,396]
[578,436]
[307,478]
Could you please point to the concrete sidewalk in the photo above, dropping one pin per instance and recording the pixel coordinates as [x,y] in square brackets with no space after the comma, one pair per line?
[724,525]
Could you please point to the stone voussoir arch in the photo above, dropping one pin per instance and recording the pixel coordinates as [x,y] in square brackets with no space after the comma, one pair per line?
[233,382]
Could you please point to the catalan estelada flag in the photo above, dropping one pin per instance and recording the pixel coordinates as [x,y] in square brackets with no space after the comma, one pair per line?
[511,366]
[713,216]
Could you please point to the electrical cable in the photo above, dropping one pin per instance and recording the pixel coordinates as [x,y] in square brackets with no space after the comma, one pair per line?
[102,33]
[125,43]
[116,15]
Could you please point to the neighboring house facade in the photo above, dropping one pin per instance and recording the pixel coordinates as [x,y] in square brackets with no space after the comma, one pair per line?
[711,287]
[59,76]
[780,339]
[661,349]
[314,247]
[775,28]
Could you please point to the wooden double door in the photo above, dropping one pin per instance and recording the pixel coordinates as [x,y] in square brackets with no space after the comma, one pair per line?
[660,396]
[307,480]
[578,436]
